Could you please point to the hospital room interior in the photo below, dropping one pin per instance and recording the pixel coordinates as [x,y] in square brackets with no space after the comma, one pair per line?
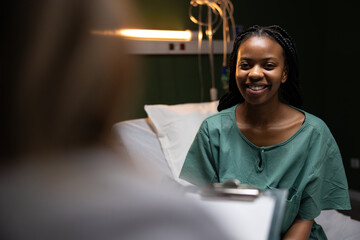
[324,34]
[181,52]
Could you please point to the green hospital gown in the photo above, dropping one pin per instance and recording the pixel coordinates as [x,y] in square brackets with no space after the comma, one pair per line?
[308,165]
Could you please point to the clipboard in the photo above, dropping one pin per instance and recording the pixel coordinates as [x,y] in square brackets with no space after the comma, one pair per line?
[232,190]
[245,212]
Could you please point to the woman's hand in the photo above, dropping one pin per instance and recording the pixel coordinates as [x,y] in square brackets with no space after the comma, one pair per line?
[300,230]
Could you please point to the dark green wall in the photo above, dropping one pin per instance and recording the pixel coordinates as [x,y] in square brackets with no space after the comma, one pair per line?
[326,35]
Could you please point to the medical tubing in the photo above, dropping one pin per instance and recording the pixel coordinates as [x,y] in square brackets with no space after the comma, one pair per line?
[219,7]
[224,36]
[199,57]
[213,90]
[230,9]
[223,11]
[211,54]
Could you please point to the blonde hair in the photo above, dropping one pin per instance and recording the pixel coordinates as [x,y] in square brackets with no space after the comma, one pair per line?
[69,86]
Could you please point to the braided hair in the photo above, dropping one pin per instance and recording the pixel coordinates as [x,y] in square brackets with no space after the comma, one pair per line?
[289,91]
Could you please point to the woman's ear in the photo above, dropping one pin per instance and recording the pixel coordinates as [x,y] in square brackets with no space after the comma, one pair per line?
[285,74]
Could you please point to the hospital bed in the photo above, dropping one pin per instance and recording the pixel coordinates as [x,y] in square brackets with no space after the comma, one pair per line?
[158,145]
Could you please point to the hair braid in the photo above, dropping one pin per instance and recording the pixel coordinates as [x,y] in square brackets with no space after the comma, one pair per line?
[290,90]
[233,96]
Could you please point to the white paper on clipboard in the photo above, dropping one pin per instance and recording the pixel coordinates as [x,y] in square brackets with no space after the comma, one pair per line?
[249,220]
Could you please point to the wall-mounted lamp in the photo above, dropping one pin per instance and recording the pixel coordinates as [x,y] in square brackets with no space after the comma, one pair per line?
[148,34]
[159,35]
[146,41]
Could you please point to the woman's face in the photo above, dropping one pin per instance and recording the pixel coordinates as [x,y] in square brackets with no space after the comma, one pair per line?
[260,70]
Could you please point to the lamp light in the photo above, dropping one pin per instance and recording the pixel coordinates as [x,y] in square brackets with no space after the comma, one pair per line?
[148,34]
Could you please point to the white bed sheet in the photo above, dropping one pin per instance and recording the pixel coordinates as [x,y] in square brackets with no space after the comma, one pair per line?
[142,145]
[140,142]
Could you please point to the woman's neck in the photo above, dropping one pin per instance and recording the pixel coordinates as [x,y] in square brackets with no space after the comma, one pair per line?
[260,115]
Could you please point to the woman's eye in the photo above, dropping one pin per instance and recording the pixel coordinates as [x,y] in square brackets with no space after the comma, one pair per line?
[244,65]
[269,66]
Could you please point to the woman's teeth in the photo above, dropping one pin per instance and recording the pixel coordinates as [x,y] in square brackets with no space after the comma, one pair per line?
[256,87]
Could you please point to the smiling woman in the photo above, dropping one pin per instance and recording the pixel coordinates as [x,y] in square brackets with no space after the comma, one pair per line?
[262,138]
[260,73]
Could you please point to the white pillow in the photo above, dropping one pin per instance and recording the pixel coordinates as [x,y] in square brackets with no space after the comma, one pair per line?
[176,127]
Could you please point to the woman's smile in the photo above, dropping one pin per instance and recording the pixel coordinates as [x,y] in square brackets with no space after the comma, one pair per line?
[256,88]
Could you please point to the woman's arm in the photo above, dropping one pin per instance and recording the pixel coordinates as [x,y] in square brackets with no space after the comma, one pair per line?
[300,230]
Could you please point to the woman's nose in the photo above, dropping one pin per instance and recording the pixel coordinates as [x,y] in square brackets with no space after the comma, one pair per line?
[256,73]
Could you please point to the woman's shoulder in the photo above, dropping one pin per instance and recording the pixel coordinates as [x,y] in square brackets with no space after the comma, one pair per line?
[316,122]
[316,125]
[217,121]
[311,119]
[229,112]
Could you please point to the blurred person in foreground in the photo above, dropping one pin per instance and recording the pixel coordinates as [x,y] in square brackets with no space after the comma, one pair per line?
[62,90]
